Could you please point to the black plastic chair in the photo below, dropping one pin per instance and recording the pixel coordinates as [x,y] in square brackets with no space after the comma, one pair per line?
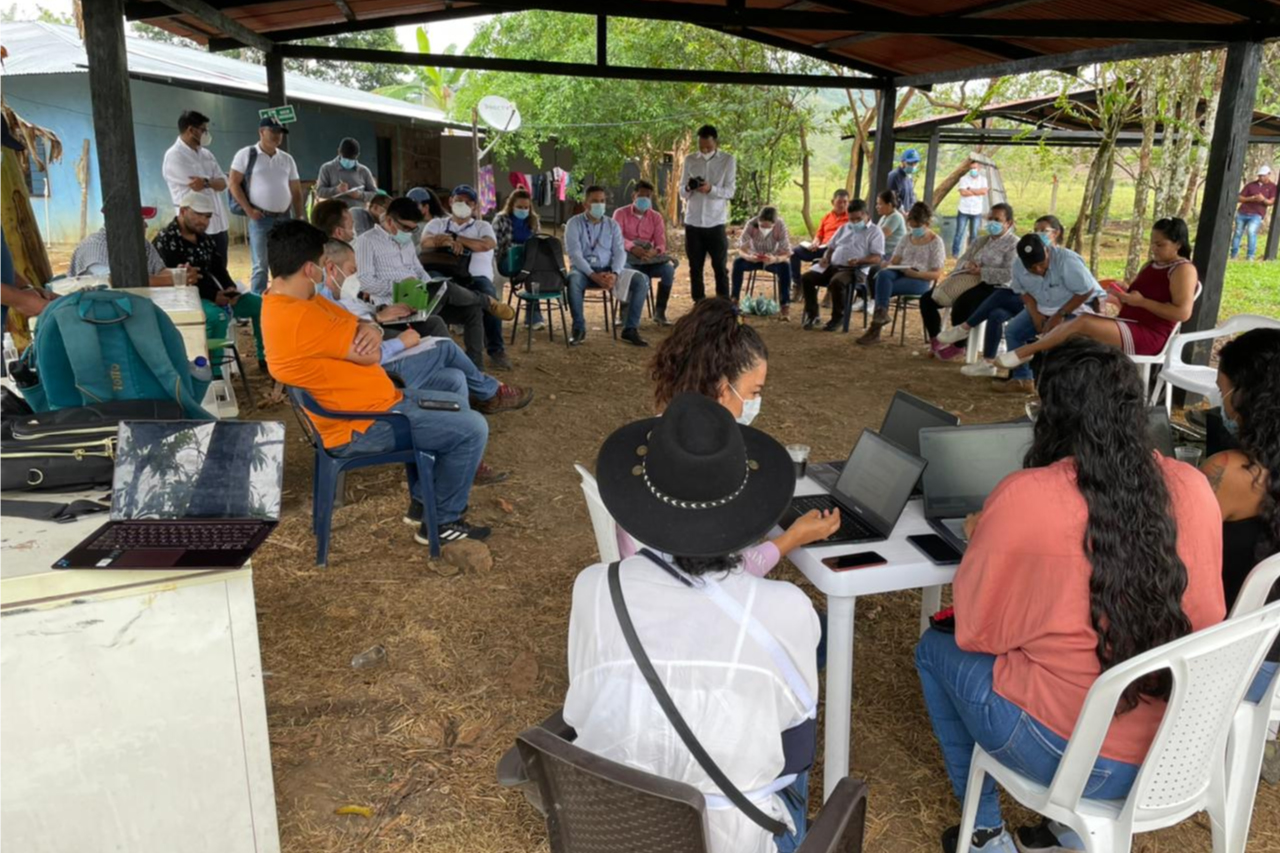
[329,470]
[750,289]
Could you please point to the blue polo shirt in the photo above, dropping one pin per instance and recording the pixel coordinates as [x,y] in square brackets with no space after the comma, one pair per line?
[1068,276]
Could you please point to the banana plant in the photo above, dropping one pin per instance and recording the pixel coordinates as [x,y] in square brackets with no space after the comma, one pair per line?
[431,87]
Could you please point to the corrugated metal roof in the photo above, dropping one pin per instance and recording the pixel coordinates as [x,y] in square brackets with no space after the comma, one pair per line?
[40,48]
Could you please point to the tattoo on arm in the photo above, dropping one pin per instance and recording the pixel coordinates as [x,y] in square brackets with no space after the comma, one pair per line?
[1215,472]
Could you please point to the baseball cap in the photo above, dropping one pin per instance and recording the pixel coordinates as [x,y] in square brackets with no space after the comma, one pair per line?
[420,195]
[199,202]
[1264,170]
[1031,250]
[272,122]
[911,155]
[466,190]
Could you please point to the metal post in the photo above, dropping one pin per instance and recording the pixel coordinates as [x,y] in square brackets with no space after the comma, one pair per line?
[113,133]
[882,162]
[276,96]
[1222,183]
[475,147]
[602,40]
[860,158]
[931,172]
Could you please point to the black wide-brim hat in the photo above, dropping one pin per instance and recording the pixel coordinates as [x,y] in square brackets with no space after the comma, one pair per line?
[695,483]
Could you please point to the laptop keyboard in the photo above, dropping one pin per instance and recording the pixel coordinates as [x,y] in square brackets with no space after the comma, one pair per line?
[852,528]
[221,536]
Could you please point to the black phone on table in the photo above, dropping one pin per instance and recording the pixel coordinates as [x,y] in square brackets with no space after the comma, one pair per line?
[861,560]
[937,549]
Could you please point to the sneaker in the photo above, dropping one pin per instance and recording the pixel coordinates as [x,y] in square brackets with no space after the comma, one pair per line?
[501,310]
[986,840]
[414,514]
[538,326]
[979,368]
[578,337]
[454,531]
[500,361]
[1048,836]
[487,475]
[507,399]
[832,326]
[1009,360]
[948,353]
[632,336]
[1014,386]
[858,305]
[954,335]
[809,323]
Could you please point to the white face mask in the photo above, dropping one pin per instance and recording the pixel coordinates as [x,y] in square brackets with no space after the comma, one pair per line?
[461,210]
[750,408]
[351,286]
[706,155]
[765,228]
[206,139]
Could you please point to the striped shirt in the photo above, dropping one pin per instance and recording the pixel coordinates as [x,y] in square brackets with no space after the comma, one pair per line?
[90,257]
[383,263]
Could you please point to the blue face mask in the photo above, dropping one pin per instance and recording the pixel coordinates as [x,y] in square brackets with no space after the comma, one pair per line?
[597,210]
[860,225]
[1232,425]
[1046,237]
[994,229]
[973,173]
[346,163]
[521,212]
[402,237]
[918,231]
[642,204]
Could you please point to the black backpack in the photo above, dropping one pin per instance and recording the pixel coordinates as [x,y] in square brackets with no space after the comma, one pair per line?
[542,270]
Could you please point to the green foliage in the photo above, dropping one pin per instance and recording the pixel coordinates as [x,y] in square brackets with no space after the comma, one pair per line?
[43,15]
[431,87]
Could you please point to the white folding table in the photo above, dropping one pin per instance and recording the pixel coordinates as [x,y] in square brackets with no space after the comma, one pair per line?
[906,568]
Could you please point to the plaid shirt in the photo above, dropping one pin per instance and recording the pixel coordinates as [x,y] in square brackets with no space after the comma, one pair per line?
[383,263]
[92,252]
[175,250]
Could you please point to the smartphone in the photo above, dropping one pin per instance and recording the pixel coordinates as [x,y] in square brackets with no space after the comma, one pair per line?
[861,560]
[439,405]
[937,549]
[1113,285]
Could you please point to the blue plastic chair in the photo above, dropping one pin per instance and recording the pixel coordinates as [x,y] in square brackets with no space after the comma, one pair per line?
[329,469]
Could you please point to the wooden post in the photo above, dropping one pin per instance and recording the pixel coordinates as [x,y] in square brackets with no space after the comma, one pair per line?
[1222,183]
[276,96]
[883,153]
[860,158]
[931,171]
[1273,236]
[117,151]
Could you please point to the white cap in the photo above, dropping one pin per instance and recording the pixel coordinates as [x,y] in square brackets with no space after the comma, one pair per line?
[199,202]
[1264,170]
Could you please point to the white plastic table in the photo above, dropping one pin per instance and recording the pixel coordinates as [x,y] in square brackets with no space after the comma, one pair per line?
[906,568]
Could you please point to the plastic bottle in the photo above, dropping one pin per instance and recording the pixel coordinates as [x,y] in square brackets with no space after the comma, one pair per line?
[369,658]
[10,350]
[201,370]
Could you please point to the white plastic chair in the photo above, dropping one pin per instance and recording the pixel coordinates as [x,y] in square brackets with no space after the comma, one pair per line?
[1249,729]
[1146,362]
[602,522]
[1184,771]
[1196,378]
[973,346]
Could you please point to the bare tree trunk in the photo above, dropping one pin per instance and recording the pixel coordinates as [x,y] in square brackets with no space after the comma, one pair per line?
[948,183]
[1142,187]
[1201,151]
[1106,153]
[678,153]
[803,183]
[1177,150]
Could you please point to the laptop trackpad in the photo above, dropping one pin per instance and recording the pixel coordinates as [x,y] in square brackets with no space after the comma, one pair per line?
[148,559]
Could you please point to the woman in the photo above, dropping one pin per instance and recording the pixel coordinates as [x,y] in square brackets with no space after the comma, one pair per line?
[697,488]
[891,221]
[711,352]
[765,245]
[997,309]
[1039,617]
[919,257]
[1158,299]
[1247,481]
[512,227]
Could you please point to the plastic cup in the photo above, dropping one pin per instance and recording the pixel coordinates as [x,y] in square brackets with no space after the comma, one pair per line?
[1188,453]
[800,458]
[179,276]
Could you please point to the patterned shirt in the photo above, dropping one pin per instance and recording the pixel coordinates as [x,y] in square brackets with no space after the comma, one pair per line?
[176,250]
[383,262]
[994,257]
[755,242]
[90,257]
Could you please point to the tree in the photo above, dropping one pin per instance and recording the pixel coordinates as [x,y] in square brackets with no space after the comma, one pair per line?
[43,15]
[431,87]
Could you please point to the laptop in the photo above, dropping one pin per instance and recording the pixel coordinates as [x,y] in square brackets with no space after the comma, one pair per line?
[907,415]
[188,494]
[965,465]
[871,492]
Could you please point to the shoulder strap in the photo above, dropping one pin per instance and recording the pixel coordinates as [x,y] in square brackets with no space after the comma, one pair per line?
[248,170]
[735,796]
[148,340]
[84,352]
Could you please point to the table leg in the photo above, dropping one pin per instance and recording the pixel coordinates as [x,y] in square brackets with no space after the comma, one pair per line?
[930,603]
[839,699]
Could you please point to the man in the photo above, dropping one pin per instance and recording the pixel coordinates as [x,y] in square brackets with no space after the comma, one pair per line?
[90,258]
[901,182]
[708,181]
[345,178]
[386,255]
[185,242]
[644,236]
[463,232]
[443,366]
[854,248]
[972,188]
[831,223]
[371,214]
[597,258]
[316,345]
[1053,282]
[264,181]
[1255,198]
[189,166]
[431,209]
[335,219]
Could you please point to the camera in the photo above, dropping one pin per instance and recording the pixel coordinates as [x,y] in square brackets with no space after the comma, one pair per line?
[694,183]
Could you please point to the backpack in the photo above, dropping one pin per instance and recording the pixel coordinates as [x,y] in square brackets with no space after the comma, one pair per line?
[99,345]
[543,268]
[244,185]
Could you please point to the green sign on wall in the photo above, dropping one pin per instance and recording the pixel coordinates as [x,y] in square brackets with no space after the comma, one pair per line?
[285,115]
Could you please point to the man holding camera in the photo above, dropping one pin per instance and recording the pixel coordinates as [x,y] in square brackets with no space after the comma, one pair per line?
[707,183]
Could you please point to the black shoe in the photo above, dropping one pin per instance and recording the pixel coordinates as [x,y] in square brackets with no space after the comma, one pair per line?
[414,515]
[832,326]
[808,322]
[577,337]
[632,336]
[983,839]
[661,319]
[499,361]
[454,531]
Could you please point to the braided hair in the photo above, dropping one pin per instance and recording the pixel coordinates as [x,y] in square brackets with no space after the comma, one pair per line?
[708,345]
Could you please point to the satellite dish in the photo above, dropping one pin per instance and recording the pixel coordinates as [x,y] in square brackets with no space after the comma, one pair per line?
[499,113]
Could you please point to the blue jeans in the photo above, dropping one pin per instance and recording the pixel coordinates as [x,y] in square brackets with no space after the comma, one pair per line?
[965,709]
[965,222]
[1246,223]
[258,231]
[637,293]
[891,283]
[444,367]
[457,439]
[996,310]
[796,798]
[492,325]
[781,269]
[1018,332]
[665,273]
[1263,680]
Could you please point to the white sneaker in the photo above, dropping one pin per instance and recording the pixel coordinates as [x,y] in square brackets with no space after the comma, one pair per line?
[954,335]
[858,305]
[1009,360]
[539,325]
[979,368]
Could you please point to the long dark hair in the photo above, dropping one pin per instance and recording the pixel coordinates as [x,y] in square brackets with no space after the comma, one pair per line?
[1093,409]
[1056,224]
[1252,363]
[698,566]
[1176,230]
[708,344]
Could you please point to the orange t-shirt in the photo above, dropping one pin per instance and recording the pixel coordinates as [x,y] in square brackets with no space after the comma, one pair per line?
[307,341]
[1022,594]
[829,225]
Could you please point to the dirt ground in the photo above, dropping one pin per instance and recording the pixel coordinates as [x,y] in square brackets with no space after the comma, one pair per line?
[475,657]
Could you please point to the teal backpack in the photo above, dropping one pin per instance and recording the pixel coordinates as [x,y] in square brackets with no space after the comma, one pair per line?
[99,345]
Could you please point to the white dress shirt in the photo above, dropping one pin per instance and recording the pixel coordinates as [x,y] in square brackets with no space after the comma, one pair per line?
[181,164]
[851,243]
[972,204]
[724,683]
[472,229]
[269,188]
[383,263]
[707,210]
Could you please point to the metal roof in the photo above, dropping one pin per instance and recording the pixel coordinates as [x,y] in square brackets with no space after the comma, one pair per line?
[41,48]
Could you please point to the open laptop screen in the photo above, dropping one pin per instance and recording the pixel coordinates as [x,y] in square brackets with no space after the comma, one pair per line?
[878,478]
[198,469]
[908,415]
[967,462]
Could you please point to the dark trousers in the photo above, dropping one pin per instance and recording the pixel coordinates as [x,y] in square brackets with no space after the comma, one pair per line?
[800,254]
[965,304]
[220,246]
[432,327]
[464,307]
[698,244]
[836,278]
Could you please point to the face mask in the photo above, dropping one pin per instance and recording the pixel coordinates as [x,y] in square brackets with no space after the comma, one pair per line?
[642,204]
[918,231]
[973,173]
[351,286]
[321,284]
[346,163]
[750,408]
[860,225]
[1045,237]
[597,210]
[706,155]
[520,212]
[910,170]
[995,229]
[402,237]
[765,230]
[206,139]
[460,209]
[1232,425]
